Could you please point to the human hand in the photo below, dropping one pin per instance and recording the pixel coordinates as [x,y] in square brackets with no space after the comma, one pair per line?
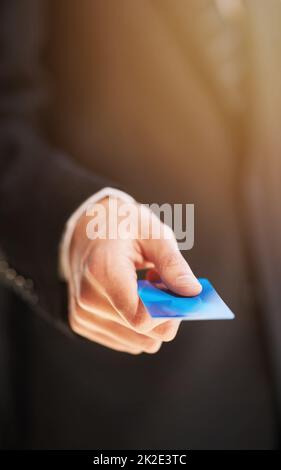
[104,305]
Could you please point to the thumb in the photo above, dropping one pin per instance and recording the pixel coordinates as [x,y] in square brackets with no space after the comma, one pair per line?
[171,266]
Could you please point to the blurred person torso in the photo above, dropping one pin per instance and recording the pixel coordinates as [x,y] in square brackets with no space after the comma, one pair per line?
[158,95]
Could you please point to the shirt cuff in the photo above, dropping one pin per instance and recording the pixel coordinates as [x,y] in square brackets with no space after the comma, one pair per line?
[64,268]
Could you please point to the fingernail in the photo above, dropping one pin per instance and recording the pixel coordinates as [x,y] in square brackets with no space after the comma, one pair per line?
[187,280]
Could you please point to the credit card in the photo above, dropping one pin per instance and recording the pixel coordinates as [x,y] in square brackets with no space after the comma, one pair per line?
[163,303]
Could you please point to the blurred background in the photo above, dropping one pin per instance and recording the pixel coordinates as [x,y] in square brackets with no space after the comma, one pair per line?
[179,102]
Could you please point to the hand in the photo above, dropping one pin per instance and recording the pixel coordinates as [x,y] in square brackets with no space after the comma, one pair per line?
[103,298]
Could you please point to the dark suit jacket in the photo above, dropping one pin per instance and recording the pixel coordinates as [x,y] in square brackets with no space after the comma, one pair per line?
[212,387]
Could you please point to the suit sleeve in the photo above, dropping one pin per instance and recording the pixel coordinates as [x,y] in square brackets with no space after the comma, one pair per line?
[39,186]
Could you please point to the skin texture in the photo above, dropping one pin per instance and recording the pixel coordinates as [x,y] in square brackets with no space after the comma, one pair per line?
[103,302]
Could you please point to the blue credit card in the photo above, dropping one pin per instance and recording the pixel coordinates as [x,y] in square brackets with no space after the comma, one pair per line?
[163,303]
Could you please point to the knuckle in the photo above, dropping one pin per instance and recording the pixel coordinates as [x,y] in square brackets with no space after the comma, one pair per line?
[119,305]
[169,336]
[153,346]
[169,260]
[83,297]
[74,325]
[167,332]
[76,317]
[134,322]
[136,352]
[121,301]
[140,323]
[76,310]
[86,295]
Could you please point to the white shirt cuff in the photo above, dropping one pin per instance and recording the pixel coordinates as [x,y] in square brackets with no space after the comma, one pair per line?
[64,268]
